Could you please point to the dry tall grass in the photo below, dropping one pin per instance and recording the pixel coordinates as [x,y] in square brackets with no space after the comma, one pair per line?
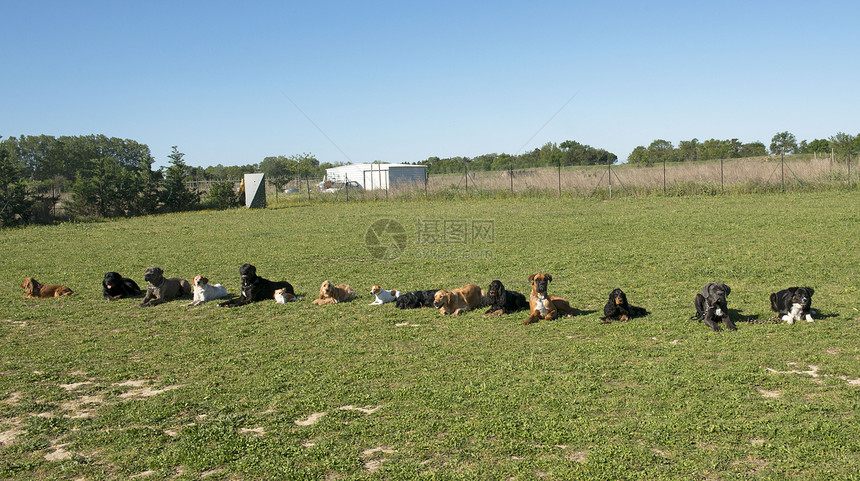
[585,180]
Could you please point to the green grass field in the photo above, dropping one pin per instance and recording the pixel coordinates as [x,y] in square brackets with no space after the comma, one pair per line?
[91,389]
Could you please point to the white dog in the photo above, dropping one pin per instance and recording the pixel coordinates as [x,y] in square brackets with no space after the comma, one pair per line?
[383,296]
[283,297]
[203,291]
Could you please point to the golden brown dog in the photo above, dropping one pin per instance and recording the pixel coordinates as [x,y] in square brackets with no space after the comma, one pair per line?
[458,301]
[543,305]
[332,294]
[34,290]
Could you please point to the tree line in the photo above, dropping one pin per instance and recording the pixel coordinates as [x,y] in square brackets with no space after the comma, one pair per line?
[569,152]
[660,150]
[106,177]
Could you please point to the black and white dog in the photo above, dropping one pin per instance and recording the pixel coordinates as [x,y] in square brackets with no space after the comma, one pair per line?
[618,309]
[255,288]
[115,286]
[792,304]
[503,301]
[416,299]
[711,304]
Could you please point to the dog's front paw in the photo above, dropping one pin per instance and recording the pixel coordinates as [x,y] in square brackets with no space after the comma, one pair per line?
[809,318]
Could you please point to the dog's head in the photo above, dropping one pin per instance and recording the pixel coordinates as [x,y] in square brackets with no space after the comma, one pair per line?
[112,279]
[375,290]
[540,282]
[326,289]
[801,295]
[441,298]
[618,297]
[496,290]
[716,293]
[248,272]
[200,281]
[30,286]
[153,275]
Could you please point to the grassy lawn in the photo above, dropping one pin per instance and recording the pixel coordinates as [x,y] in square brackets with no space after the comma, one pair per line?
[91,389]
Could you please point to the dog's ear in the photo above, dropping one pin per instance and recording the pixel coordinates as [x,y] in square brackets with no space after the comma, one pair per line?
[532,277]
[811,291]
[548,278]
[728,290]
[204,280]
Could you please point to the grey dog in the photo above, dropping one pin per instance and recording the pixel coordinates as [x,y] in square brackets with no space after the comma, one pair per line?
[159,289]
[711,303]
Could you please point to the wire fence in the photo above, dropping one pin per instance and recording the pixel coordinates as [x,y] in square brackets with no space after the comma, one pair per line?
[750,174]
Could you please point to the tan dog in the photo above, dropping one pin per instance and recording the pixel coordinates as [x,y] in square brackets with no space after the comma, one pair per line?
[458,301]
[34,290]
[543,305]
[333,294]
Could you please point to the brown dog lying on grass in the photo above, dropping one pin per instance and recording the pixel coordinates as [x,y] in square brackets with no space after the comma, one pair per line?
[160,289]
[34,290]
[458,301]
[333,294]
[543,305]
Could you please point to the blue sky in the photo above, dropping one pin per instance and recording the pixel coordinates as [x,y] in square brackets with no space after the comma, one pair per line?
[233,82]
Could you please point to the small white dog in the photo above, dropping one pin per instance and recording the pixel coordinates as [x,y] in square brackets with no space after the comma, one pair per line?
[383,296]
[203,291]
[283,297]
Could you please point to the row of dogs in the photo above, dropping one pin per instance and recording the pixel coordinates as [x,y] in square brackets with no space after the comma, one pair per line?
[792,304]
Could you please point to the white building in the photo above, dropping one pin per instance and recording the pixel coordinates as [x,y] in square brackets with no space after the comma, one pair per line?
[379,176]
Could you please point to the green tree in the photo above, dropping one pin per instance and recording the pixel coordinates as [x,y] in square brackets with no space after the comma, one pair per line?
[844,145]
[783,143]
[639,156]
[175,195]
[753,149]
[818,146]
[14,205]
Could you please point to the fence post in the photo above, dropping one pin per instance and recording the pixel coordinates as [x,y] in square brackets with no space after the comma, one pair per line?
[664,175]
[559,177]
[610,179]
[721,175]
[308,182]
[782,169]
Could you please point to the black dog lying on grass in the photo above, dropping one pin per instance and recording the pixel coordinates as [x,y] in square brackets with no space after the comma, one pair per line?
[416,299]
[793,304]
[711,304]
[255,288]
[503,301]
[618,309]
[115,286]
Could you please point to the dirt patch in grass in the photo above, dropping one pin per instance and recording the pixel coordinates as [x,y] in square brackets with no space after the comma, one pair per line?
[372,463]
[768,394]
[258,432]
[310,420]
[8,437]
[13,399]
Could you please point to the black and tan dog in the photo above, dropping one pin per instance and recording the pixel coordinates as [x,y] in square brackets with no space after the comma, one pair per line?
[618,309]
[160,289]
[711,305]
[503,301]
[544,306]
[255,288]
[793,304]
[416,299]
[115,286]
